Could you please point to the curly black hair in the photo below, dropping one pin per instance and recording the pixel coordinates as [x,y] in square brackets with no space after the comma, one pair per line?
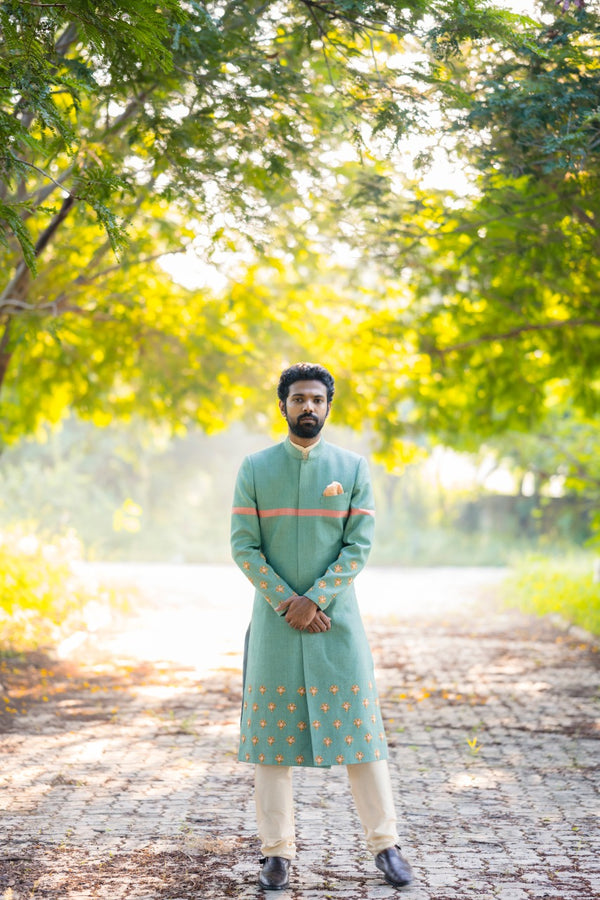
[304,371]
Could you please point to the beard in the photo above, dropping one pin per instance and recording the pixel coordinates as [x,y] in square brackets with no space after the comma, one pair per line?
[309,428]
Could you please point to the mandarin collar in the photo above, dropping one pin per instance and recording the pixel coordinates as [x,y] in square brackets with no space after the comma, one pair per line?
[297,454]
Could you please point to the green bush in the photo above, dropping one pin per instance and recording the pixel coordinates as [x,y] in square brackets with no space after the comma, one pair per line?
[41,599]
[562,587]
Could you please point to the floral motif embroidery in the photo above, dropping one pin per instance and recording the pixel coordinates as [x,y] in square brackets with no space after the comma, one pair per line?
[261,757]
[358,722]
[247,757]
[339,759]
[334,689]
[327,741]
[246,565]
[368,737]
[280,690]
[291,739]
[381,736]
[324,707]
[299,760]
[263,723]
[262,689]
[271,706]
[322,598]
[359,755]
[322,584]
[280,589]
[243,739]
[254,740]
[346,705]
[366,702]
[279,759]
[350,580]
[282,723]
[370,685]
[249,688]
[302,726]
[377,754]
[263,570]
[318,760]
[292,707]
[354,564]
[270,740]
[313,690]
[337,723]
[338,568]
[301,691]
[337,582]
[316,724]
[263,585]
[245,704]
[348,739]
[355,689]
[255,707]
[373,718]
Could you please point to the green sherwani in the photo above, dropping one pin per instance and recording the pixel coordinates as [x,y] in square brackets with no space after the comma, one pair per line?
[309,699]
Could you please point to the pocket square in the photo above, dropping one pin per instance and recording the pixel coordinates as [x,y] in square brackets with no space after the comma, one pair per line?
[333,489]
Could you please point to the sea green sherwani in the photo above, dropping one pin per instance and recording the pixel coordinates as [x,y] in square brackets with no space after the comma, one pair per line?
[309,699]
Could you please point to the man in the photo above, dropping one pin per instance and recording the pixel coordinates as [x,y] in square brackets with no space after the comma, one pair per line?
[302,526]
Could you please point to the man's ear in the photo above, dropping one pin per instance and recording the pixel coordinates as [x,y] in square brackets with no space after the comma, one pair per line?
[282,408]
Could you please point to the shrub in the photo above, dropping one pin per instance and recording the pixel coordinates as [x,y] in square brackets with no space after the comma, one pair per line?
[564,587]
[41,599]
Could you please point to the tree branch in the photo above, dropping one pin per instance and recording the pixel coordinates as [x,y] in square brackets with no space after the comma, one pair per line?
[11,305]
[5,354]
[513,333]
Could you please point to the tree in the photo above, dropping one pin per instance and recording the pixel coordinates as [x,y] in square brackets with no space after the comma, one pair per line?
[132,128]
[495,317]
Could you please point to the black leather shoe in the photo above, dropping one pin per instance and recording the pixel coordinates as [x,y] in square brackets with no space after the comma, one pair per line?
[395,868]
[274,875]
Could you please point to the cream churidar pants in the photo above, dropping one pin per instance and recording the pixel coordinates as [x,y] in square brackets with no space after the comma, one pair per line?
[372,791]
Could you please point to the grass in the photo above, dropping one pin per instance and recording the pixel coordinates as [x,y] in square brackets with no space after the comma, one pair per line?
[563,587]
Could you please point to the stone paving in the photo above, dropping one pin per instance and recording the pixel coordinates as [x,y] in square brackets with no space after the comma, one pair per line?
[119,779]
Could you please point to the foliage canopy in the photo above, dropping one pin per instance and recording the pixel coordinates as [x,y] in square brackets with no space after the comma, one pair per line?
[272,136]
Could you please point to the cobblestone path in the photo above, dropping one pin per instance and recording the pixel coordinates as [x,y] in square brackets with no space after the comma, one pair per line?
[119,778]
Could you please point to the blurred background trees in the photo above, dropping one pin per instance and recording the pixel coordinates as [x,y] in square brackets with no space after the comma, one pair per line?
[195,195]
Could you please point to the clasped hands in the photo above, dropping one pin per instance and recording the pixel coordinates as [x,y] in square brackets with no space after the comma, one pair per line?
[304,615]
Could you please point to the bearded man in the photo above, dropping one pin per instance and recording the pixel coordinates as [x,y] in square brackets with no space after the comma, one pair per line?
[302,525]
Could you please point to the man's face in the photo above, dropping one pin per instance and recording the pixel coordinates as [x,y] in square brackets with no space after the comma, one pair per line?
[306,408]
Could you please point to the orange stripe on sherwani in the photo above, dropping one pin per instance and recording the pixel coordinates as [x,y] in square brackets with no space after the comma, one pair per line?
[292,511]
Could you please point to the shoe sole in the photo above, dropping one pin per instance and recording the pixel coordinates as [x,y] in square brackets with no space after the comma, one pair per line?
[396,884]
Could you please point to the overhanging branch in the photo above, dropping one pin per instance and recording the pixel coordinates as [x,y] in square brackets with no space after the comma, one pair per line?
[514,333]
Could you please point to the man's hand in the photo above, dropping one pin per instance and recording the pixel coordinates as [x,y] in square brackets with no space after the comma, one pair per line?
[321,622]
[304,615]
